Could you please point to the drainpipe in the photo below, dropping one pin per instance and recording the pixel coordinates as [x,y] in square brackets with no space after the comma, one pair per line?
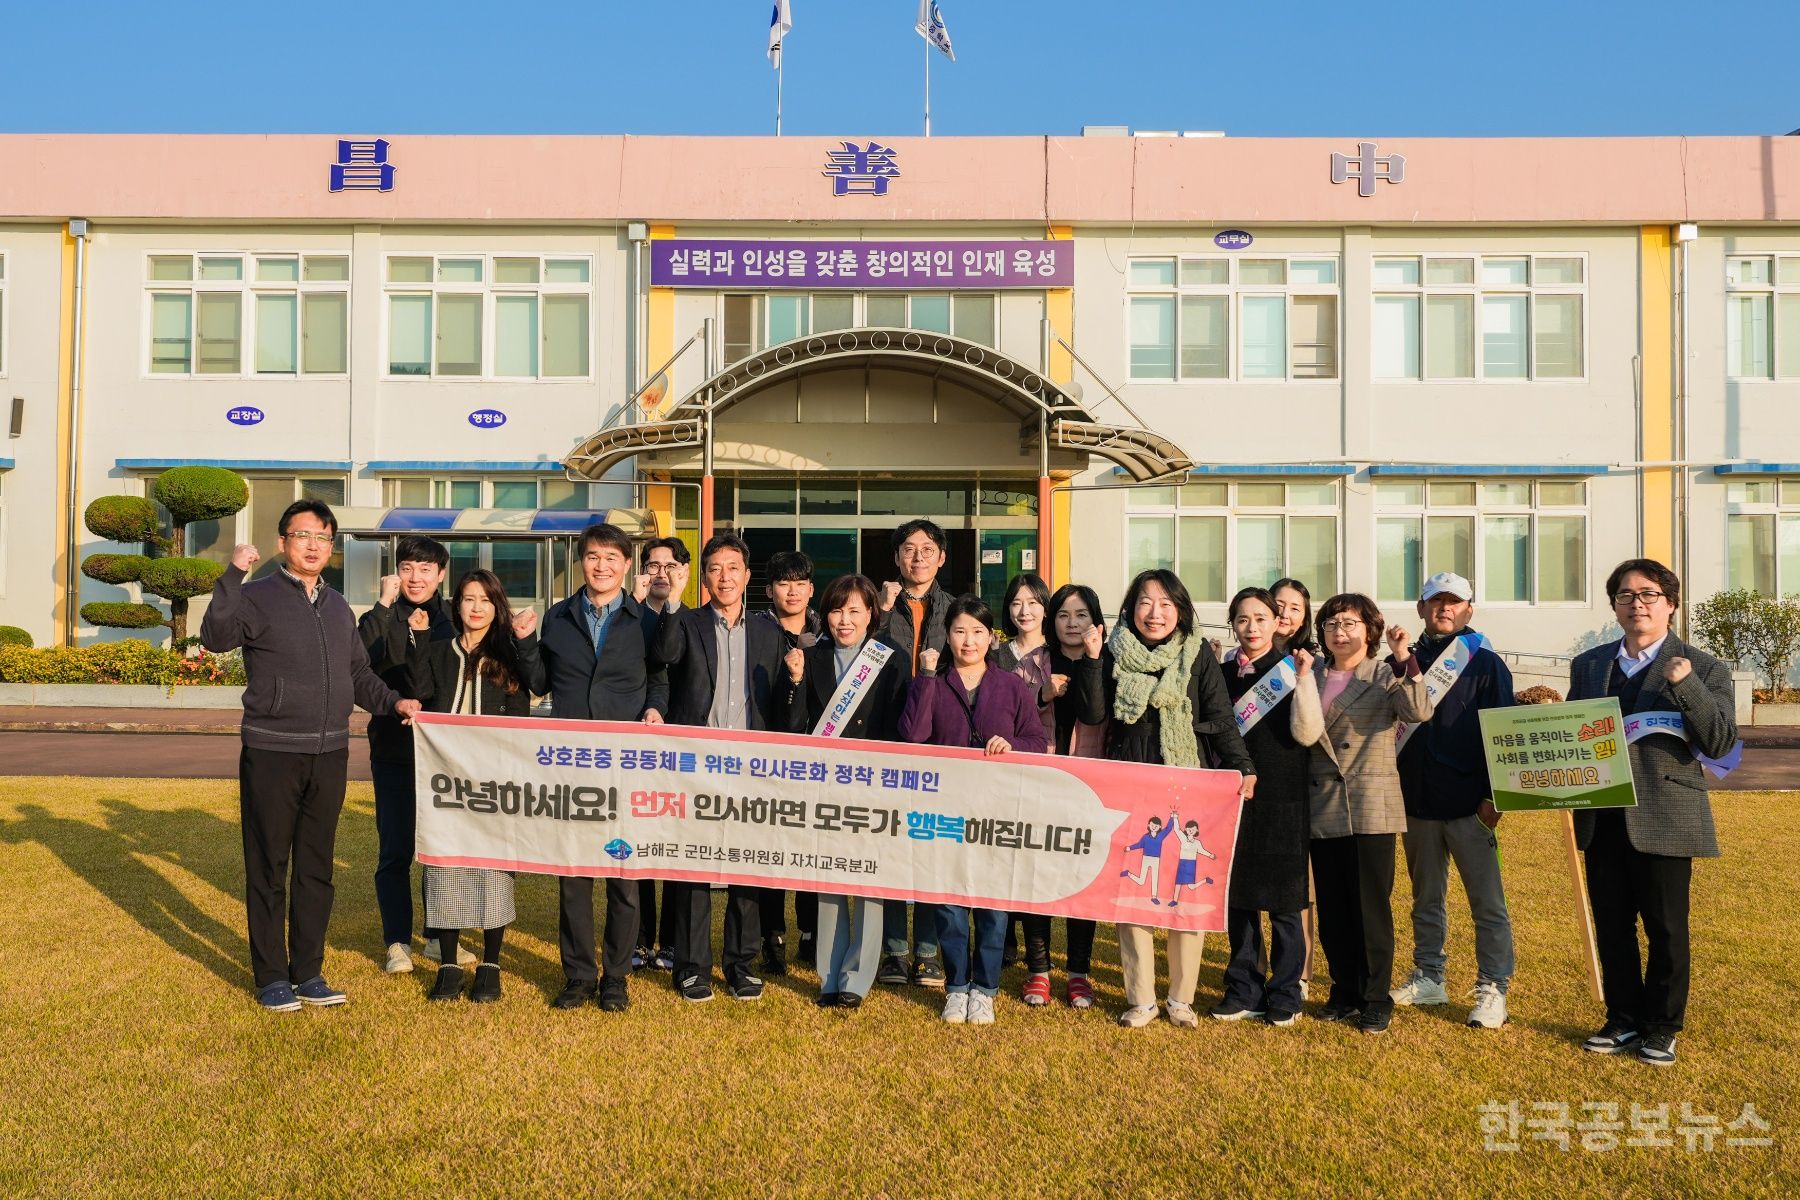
[1046,550]
[1686,234]
[78,229]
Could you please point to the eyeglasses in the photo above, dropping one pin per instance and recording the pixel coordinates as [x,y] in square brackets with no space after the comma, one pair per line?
[1647,597]
[1342,626]
[918,552]
[305,536]
[658,568]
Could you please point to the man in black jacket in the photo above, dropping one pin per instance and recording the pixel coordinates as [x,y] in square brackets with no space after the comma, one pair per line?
[594,663]
[659,586]
[790,592]
[722,672]
[387,635]
[1450,811]
[305,667]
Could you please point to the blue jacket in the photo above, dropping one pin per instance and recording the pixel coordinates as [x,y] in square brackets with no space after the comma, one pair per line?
[1443,769]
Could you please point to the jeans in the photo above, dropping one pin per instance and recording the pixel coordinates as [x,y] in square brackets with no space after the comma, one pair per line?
[981,969]
[924,941]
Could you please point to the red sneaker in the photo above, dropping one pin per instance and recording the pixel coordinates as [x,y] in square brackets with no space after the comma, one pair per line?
[1081,992]
[1036,991]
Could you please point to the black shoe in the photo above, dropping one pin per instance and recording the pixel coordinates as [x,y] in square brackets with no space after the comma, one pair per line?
[926,973]
[1231,1010]
[693,989]
[613,996]
[1657,1050]
[829,999]
[1613,1038]
[487,984]
[1340,1012]
[575,993]
[893,972]
[1374,1021]
[849,1000]
[804,953]
[745,987]
[775,954]
[449,984]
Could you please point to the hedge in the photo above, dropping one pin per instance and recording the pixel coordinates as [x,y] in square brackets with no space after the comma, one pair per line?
[12,635]
[130,661]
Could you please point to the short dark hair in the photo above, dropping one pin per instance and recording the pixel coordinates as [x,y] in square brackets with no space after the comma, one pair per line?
[602,534]
[1027,581]
[317,508]
[724,541]
[1359,605]
[675,546]
[785,565]
[969,605]
[930,529]
[1667,580]
[1170,583]
[839,591]
[1261,595]
[1090,600]
[413,548]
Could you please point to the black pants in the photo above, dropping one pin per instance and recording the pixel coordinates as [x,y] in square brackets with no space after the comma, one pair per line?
[1354,880]
[665,930]
[1037,944]
[693,930]
[1246,983]
[771,907]
[575,928]
[289,806]
[1625,885]
[395,814]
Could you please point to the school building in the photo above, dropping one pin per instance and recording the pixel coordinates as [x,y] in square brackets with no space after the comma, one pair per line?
[1357,361]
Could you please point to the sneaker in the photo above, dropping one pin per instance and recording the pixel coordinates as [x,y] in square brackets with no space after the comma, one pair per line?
[278,997]
[747,987]
[399,959]
[956,1008]
[926,973]
[775,955]
[1375,1022]
[318,993]
[1490,1007]
[1281,1017]
[465,957]
[575,993]
[1036,991]
[614,997]
[1081,992]
[828,999]
[1182,1016]
[640,958]
[1345,1013]
[893,972]
[694,989]
[981,1008]
[1231,1010]
[1138,1016]
[1657,1050]
[487,984]
[664,960]
[1614,1036]
[1420,990]
[849,1000]
[448,984]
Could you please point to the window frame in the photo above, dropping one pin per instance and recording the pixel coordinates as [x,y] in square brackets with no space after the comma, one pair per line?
[489,291]
[1480,291]
[1533,509]
[1233,510]
[1778,511]
[247,287]
[859,313]
[1235,292]
[1775,290]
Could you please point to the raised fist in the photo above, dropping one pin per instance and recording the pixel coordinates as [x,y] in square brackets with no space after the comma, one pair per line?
[1679,669]
[420,621]
[928,660]
[640,587]
[245,557]
[796,664]
[890,592]
[1303,662]
[524,622]
[1057,686]
[390,590]
[1093,641]
[1400,642]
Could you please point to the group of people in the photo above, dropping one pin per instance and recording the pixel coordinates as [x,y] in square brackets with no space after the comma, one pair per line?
[1348,734]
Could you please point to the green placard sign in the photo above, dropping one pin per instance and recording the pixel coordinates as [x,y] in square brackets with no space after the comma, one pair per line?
[1568,755]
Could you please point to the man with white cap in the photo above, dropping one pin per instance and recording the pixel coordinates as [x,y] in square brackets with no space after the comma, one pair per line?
[1450,812]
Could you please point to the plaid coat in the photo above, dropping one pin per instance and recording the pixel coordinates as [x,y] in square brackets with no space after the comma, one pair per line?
[1355,784]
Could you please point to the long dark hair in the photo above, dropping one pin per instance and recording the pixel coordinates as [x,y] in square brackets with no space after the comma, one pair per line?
[1302,637]
[1027,582]
[496,657]
[1178,595]
[1090,600]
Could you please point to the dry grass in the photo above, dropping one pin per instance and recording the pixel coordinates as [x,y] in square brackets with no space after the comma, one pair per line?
[133,1061]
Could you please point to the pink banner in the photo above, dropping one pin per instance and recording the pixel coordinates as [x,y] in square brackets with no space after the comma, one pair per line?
[1073,837]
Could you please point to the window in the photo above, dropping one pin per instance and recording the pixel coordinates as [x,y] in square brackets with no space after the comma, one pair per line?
[1518,541]
[752,322]
[269,497]
[1183,315]
[518,562]
[1492,317]
[498,317]
[260,315]
[1762,535]
[1221,536]
[1762,317]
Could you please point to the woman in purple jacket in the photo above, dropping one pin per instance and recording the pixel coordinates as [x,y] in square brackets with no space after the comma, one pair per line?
[996,712]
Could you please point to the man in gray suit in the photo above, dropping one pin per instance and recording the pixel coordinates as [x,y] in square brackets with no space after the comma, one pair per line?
[1640,860]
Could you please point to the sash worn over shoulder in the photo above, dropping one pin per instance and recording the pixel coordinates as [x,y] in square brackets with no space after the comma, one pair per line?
[853,688]
[1276,685]
[1646,724]
[1444,673]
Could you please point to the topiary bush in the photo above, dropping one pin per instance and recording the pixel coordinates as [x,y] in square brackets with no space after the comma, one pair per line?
[179,579]
[200,494]
[122,519]
[115,614]
[190,494]
[12,635]
[114,568]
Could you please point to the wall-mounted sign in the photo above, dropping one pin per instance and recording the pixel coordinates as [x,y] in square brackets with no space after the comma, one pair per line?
[487,418]
[1028,560]
[863,266]
[860,170]
[993,558]
[1367,168]
[362,167]
[243,414]
[1232,239]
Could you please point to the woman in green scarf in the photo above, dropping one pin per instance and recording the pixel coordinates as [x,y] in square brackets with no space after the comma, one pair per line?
[1168,697]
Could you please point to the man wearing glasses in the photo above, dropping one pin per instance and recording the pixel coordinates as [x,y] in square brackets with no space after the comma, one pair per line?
[659,586]
[1640,860]
[305,665]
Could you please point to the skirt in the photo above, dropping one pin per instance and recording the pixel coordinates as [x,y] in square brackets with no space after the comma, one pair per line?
[468,898]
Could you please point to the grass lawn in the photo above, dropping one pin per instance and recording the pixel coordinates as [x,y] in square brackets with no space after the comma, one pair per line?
[134,1062]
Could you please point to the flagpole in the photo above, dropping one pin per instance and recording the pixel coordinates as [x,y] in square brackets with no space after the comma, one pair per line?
[779,66]
[927,87]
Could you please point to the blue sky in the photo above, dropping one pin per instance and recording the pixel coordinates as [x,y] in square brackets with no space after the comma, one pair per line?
[1299,68]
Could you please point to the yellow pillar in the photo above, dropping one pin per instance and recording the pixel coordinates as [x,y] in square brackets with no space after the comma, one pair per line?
[1059,309]
[659,321]
[1656,350]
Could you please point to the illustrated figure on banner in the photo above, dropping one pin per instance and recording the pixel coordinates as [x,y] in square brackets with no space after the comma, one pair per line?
[1187,871]
[1156,832]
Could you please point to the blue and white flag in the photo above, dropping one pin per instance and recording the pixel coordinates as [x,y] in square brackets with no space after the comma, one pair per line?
[931,27]
[781,20]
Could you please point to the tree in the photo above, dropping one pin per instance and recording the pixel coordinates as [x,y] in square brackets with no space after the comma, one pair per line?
[189,494]
[1776,641]
[1726,624]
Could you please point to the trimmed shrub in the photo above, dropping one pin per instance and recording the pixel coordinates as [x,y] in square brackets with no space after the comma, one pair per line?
[114,568]
[114,614]
[130,661]
[179,578]
[201,493]
[12,635]
[122,519]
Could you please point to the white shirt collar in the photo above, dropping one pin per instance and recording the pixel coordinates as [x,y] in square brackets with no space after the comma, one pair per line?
[1631,664]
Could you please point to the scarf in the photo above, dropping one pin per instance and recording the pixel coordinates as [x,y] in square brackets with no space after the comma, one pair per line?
[1140,688]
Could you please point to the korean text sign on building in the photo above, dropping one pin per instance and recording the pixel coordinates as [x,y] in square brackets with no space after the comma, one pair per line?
[870,266]
[1567,755]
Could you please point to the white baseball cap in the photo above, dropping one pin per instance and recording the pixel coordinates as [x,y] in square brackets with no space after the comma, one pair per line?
[1446,581]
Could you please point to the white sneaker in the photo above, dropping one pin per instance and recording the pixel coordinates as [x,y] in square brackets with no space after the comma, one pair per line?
[464,956]
[399,959]
[1138,1016]
[1490,1007]
[1420,989]
[1182,1016]
[981,1008]
[956,1008]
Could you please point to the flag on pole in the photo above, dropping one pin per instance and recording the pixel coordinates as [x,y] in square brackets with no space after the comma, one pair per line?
[781,20]
[931,27]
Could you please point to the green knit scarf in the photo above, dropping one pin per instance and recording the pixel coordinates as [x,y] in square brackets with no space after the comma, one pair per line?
[1140,687]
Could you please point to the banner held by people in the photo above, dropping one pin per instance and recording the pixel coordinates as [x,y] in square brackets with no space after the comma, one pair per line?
[1020,832]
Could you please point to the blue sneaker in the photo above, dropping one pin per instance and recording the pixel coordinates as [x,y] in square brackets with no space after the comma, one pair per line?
[278,997]
[318,993]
